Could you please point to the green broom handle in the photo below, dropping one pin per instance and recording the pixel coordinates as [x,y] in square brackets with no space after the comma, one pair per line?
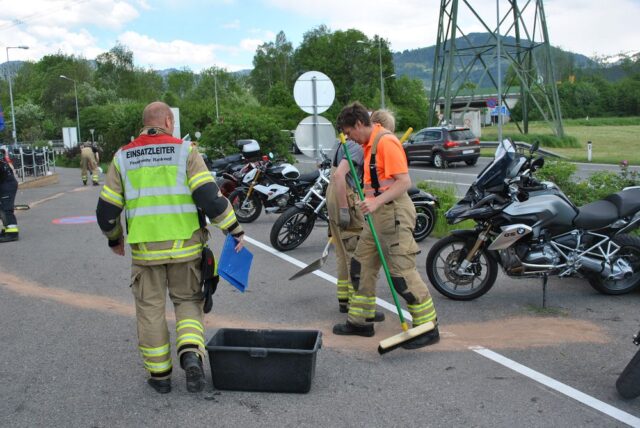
[373,232]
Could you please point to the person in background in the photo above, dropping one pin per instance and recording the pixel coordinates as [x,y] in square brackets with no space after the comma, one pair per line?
[8,190]
[89,162]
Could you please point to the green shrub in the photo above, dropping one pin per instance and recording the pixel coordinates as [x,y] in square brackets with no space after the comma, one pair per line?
[446,198]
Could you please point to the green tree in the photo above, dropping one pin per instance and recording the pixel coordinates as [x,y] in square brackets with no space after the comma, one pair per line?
[272,64]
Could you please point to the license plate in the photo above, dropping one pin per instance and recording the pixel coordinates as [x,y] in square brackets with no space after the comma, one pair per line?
[467,152]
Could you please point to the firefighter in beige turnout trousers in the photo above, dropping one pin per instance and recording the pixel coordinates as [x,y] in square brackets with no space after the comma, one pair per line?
[89,163]
[386,180]
[164,186]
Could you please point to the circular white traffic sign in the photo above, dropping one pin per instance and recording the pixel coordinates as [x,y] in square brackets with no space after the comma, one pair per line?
[303,92]
[304,135]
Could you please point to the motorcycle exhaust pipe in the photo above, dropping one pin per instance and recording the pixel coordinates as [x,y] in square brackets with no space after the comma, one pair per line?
[621,269]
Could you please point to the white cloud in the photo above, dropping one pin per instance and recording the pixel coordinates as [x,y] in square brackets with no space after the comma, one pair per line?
[67,13]
[583,26]
[155,54]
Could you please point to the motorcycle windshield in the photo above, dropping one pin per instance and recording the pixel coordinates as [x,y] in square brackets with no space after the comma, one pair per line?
[494,174]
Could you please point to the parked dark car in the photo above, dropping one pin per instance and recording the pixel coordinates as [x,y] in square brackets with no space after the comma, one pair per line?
[441,146]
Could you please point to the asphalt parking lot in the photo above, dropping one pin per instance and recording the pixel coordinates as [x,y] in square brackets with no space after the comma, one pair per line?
[70,359]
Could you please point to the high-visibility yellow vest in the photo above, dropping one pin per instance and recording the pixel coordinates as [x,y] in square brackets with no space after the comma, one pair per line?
[158,201]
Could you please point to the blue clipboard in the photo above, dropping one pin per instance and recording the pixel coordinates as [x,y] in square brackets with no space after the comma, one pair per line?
[234,267]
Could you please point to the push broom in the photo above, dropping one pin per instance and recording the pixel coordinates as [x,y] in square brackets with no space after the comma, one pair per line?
[408,335]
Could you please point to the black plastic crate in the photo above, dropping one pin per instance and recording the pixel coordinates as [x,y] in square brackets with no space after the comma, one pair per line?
[264,360]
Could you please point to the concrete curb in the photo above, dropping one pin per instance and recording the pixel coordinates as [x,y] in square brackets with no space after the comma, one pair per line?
[39,181]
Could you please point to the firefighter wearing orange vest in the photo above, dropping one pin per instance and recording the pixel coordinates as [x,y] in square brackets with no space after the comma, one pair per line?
[163,186]
[386,180]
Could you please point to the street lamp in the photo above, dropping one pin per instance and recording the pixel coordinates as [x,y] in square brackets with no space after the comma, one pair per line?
[75,89]
[13,116]
[380,63]
[215,90]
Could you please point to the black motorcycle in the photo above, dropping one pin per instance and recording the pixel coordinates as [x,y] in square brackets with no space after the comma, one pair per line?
[295,224]
[531,229]
[628,384]
[426,205]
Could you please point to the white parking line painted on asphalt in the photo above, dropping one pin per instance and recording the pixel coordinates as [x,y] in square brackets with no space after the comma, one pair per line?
[570,392]
[444,172]
[487,353]
[382,303]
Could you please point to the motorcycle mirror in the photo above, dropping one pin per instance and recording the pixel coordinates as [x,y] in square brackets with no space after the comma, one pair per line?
[270,155]
[534,147]
[537,163]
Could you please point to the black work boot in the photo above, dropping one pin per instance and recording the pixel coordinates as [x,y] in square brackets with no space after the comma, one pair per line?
[162,386]
[84,182]
[95,183]
[9,236]
[378,317]
[192,365]
[426,339]
[348,329]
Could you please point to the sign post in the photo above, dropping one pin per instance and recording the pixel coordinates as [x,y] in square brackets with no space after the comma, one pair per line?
[589,150]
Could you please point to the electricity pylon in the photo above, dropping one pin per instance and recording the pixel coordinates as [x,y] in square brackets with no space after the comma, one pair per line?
[522,40]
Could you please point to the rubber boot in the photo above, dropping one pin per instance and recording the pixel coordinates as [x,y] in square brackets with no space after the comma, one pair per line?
[192,365]
[426,339]
[348,329]
[84,182]
[9,236]
[162,386]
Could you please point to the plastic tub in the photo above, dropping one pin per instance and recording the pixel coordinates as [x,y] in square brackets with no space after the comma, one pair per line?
[264,360]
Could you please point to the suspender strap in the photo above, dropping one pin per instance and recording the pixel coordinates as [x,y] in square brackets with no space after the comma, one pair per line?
[373,172]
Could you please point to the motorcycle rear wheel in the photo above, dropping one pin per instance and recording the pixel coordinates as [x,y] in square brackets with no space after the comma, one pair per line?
[628,384]
[443,260]
[292,228]
[630,250]
[252,207]
[425,221]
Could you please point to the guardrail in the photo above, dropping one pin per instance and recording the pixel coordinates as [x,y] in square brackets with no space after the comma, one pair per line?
[34,162]
[524,146]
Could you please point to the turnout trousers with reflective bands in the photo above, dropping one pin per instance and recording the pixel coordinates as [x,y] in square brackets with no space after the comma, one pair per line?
[149,285]
[344,242]
[394,223]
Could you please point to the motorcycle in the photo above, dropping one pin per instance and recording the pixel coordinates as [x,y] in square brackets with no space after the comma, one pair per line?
[229,170]
[274,186]
[294,225]
[531,229]
[426,205]
[628,383]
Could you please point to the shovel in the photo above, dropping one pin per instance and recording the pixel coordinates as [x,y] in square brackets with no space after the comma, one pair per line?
[314,265]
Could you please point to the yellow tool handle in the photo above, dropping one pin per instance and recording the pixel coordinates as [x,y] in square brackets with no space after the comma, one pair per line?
[406,135]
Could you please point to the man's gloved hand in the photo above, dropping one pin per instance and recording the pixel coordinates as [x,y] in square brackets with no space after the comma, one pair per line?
[344,219]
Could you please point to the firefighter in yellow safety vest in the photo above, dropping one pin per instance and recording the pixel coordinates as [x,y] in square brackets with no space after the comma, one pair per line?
[165,189]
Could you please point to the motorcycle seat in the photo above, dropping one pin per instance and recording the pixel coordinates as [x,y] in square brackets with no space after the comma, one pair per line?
[627,202]
[309,176]
[222,163]
[413,190]
[596,215]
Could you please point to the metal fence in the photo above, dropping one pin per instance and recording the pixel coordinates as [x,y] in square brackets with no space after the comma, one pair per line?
[32,162]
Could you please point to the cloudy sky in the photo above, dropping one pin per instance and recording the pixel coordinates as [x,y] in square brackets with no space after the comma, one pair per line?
[201,33]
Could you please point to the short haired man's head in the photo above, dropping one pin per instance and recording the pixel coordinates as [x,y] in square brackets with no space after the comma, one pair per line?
[158,115]
[355,123]
[384,118]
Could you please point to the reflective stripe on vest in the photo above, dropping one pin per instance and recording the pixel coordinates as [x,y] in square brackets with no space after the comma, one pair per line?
[158,201]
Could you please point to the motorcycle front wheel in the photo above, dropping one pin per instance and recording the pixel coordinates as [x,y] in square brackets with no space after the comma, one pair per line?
[292,228]
[425,221]
[628,384]
[443,261]
[247,209]
[630,252]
